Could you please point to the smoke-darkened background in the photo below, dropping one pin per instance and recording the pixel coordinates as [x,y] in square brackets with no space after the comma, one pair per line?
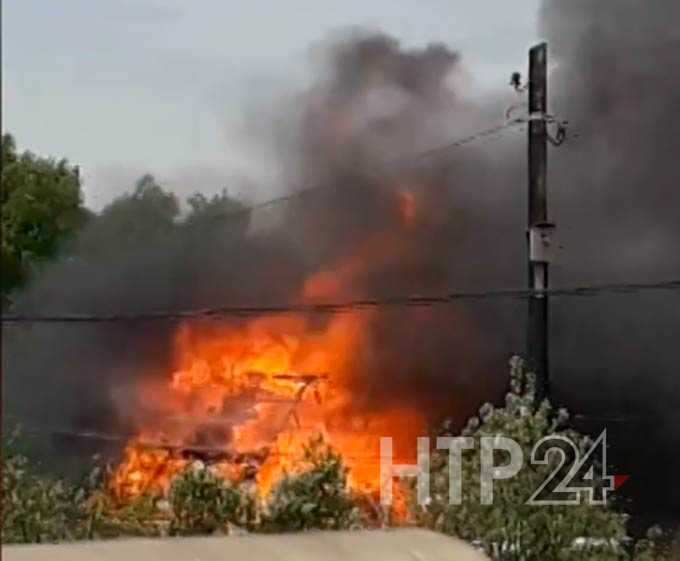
[613,193]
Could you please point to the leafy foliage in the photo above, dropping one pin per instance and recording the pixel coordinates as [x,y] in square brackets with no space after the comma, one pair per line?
[146,217]
[41,209]
[39,509]
[141,518]
[204,210]
[509,529]
[203,502]
[317,498]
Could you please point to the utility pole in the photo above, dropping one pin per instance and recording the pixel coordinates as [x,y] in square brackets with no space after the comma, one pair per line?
[539,229]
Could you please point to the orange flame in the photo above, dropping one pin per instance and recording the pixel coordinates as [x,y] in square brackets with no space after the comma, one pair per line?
[246,397]
[262,391]
[408,208]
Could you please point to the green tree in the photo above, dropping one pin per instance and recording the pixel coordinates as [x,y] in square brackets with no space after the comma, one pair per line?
[145,217]
[207,215]
[42,207]
[216,207]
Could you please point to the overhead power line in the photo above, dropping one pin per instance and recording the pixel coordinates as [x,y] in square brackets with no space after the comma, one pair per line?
[26,430]
[342,306]
[485,135]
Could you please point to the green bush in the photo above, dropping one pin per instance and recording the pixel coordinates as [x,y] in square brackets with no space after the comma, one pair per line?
[316,498]
[140,518]
[202,502]
[509,529]
[39,509]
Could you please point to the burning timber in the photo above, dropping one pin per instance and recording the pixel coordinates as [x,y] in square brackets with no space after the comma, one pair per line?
[151,462]
[246,398]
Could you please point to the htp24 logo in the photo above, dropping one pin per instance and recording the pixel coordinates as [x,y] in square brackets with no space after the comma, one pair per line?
[578,476]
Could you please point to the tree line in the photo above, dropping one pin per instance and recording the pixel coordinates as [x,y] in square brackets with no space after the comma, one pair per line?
[43,211]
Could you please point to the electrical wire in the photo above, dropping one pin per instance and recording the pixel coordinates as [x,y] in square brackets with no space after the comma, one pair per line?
[400,162]
[345,306]
[35,431]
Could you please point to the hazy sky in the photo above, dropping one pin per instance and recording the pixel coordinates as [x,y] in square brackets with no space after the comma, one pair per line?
[123,87]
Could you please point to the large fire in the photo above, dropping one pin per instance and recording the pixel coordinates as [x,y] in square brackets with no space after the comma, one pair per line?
[247,396]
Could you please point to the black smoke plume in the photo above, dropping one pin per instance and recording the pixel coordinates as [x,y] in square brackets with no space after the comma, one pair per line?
[615,195]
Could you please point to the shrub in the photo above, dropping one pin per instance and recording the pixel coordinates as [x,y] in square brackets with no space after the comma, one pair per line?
[139,518]
[40,509]
[316,498]
[202,502]
[509,529]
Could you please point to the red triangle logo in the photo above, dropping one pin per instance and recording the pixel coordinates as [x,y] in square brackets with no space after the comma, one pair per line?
[620,480]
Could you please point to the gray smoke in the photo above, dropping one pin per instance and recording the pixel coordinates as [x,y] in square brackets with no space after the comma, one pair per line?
[372,100]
